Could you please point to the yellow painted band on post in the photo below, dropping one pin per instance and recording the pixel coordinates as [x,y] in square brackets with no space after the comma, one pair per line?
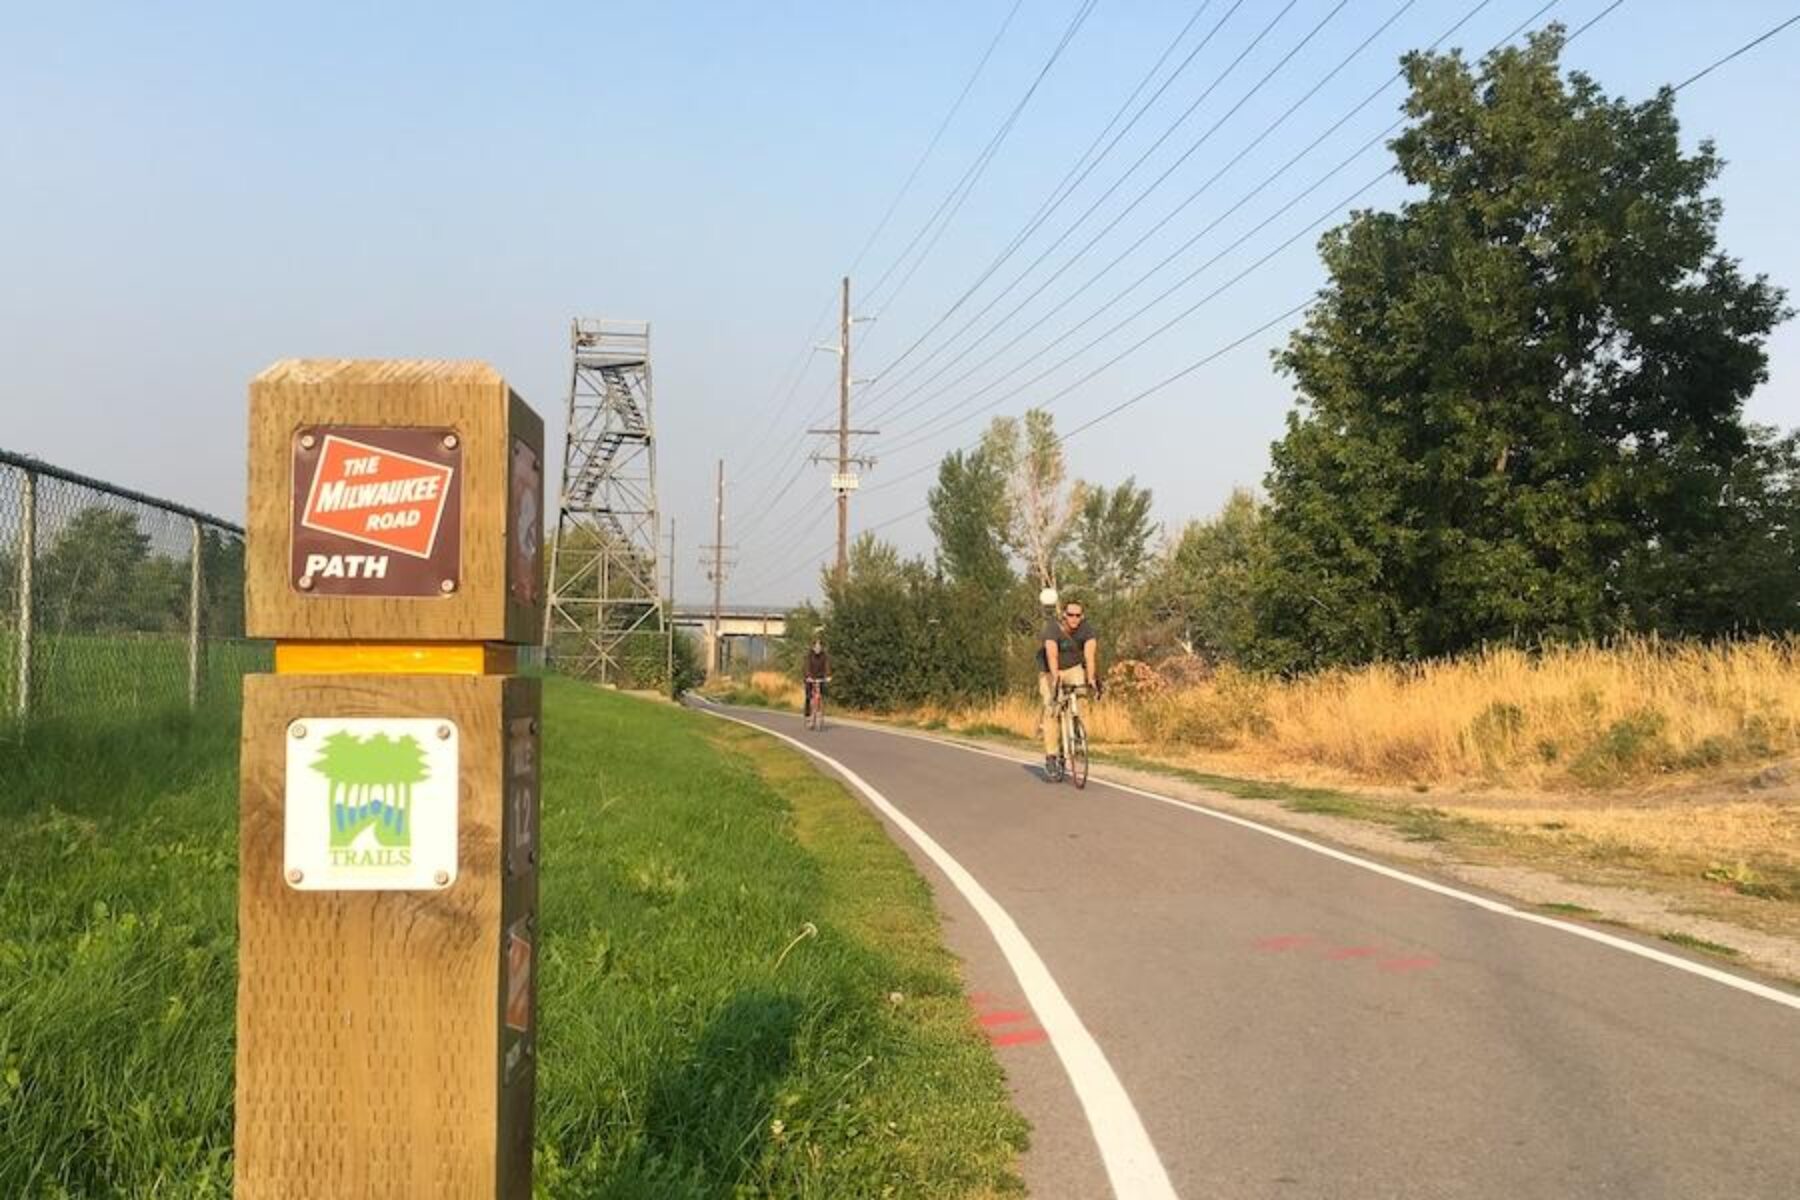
[395,658]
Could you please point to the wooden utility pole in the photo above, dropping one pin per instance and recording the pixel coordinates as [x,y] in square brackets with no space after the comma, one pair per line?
[669,619]
[844,482]
[715,571]
[843,494]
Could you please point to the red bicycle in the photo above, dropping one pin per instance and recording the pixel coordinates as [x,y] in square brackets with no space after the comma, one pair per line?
[815,703]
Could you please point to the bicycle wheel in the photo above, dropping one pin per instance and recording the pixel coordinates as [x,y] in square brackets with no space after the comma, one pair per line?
[1078,753]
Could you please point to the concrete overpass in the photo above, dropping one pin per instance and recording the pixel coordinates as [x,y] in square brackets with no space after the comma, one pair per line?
[749,624]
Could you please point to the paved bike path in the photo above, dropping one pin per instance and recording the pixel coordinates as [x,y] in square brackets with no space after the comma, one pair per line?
[1288,1024]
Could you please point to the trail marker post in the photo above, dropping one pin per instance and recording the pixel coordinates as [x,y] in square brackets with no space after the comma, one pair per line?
[387,911]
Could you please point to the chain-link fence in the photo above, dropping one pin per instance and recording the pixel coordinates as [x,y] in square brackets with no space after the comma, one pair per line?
[112,602]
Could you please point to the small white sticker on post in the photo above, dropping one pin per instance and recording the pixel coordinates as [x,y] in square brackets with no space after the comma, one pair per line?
[371,804]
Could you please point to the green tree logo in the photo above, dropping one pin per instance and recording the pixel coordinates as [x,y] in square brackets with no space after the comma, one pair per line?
[370,784]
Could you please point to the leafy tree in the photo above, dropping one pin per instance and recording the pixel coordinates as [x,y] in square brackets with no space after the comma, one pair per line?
[690,663]
[88,580]
[880,657]
[1112,538]
[222,584]
[970,517]
[1201,592]
[1522,393]
[1028,455]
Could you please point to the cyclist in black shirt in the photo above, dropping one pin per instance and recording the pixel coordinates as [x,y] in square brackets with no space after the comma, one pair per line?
[1070,653]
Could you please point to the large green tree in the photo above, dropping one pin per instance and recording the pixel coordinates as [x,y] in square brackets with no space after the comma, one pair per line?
[1521,394]
[970,518]
[1112,530]
[1200,594]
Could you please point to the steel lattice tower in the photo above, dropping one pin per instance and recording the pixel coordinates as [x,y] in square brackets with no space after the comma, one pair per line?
[605,620]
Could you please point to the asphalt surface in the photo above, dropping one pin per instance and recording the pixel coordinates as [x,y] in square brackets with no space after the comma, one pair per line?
[1291,1025]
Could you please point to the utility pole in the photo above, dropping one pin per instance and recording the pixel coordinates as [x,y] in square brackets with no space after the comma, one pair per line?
[844,481]
[669,619]
[715,571]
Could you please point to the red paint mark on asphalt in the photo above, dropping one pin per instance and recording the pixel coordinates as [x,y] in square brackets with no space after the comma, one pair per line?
[980,999]
[1018,1037]
[1286,941]
[1003,1017]
[1398,965]
[1345,952]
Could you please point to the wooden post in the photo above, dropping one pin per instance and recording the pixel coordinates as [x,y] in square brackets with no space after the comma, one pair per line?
[27,613]
[194,587]
[389,819]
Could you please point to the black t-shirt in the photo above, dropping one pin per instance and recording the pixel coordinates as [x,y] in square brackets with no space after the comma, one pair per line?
[818,664]
[1069,645]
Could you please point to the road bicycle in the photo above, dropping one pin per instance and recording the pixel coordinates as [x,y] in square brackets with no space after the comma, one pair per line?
[815,704]
[1072,755]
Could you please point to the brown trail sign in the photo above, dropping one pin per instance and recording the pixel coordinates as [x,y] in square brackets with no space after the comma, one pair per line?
[387,1009]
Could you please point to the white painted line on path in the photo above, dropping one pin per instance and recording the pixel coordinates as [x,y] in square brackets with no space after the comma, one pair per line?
[1131,1162]
[1748,986]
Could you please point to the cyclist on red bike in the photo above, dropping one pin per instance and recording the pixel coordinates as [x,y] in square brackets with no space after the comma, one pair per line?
[817,673]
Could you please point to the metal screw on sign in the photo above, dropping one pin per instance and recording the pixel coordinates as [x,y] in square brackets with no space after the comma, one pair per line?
[448,586]
[443,732]
[304,583]
[299,731]
[450,442]
[441,878]
[308,441]
[295,875]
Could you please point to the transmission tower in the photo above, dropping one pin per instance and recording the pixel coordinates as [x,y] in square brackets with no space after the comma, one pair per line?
[606,619]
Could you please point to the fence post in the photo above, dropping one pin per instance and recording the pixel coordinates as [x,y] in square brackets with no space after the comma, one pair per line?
[194,619]
[388,828]
[27,553]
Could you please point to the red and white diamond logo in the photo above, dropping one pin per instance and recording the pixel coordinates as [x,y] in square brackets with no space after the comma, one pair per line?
[377,496]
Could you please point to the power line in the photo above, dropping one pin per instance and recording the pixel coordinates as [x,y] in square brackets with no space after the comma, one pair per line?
[924,433]
[799,369]
[913,175]
[1142,158]
[960,192]
[926,436]
[1287,314]
[893,410]
[1257,332]
[1087,161]
[1184,313]
[1752,44]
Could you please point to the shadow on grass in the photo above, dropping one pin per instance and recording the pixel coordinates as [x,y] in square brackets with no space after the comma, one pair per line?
[96,766]
[710,1115]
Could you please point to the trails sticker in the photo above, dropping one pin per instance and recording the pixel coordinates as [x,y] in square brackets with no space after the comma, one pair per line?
[371,803]
[521,794]
[518,977]
[520,1001]
[525,523]
[377,512]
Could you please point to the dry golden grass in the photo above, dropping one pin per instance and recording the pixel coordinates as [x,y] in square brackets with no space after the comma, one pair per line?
[1633,715]
[777,687]
[1591,718]
[1578,718]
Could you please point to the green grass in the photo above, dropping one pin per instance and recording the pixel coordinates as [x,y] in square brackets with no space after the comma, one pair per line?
[1691,942]
[683,1054]
[1565,909]
[85,675]
[743,989]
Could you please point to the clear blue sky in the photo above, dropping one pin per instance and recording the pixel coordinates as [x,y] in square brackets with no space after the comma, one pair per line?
[193,191]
